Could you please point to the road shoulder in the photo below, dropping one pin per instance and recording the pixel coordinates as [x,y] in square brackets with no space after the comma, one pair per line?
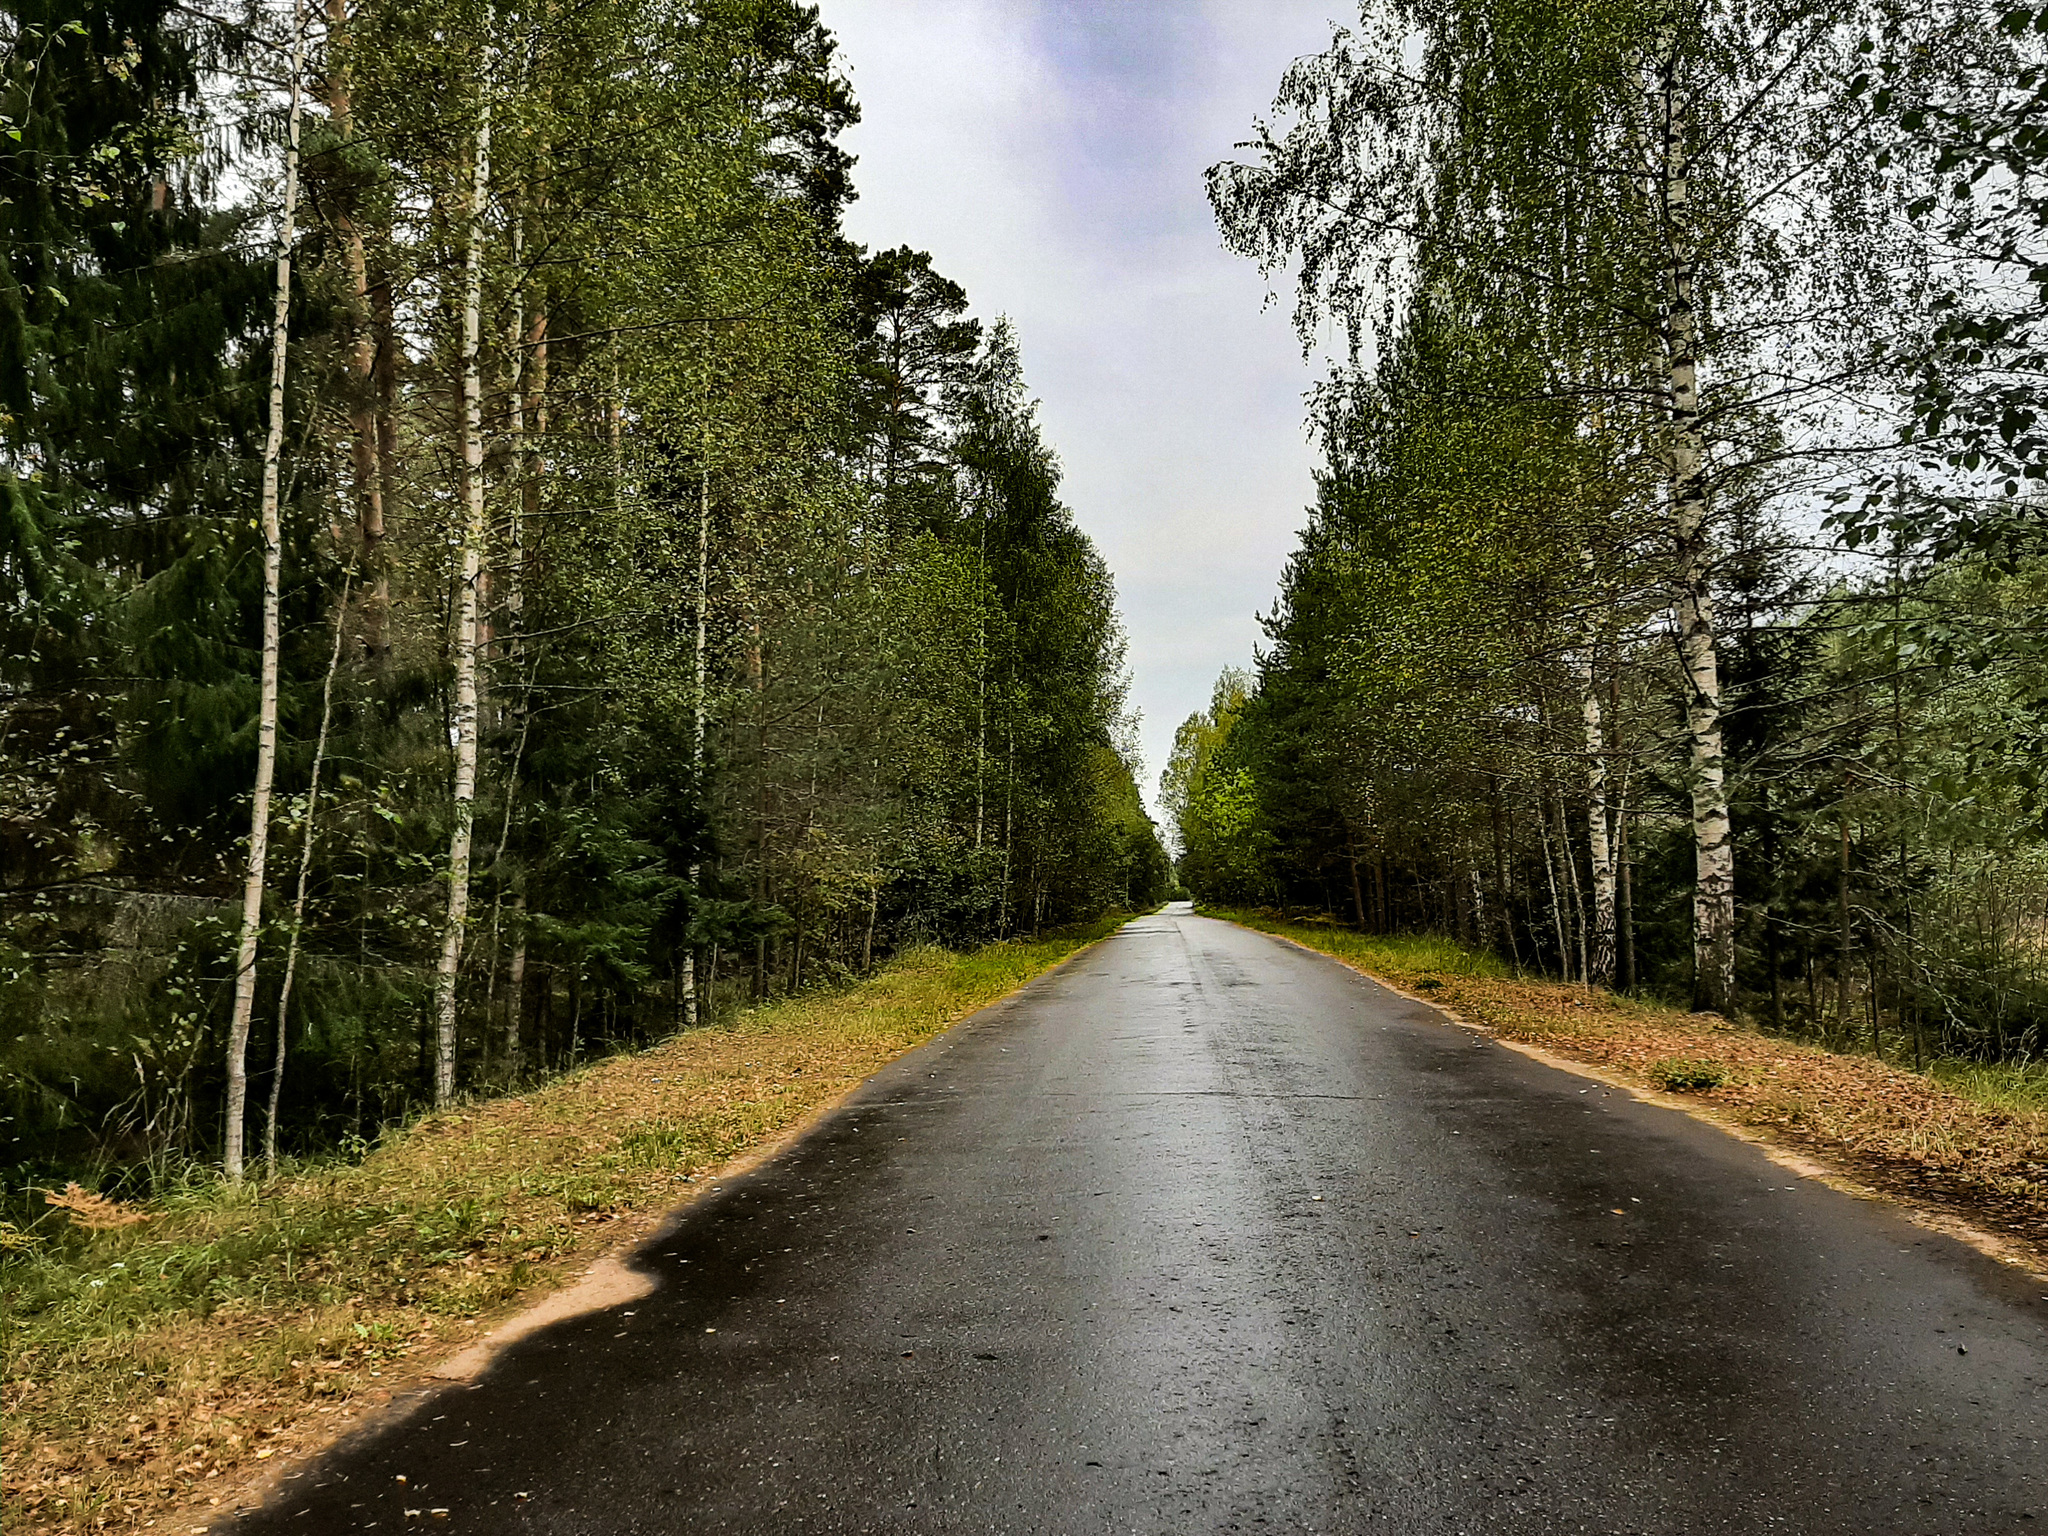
[1868,1128]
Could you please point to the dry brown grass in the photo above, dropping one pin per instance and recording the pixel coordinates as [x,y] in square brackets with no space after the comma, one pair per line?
[1885,1127]
[93,1211]
[149,1366]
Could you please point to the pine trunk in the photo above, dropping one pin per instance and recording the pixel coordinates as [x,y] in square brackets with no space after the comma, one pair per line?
[1844,952]
[1572,886]
[364,441]
[266,707]
[515,1000]
[693,1008]
[533,422]
[1564,948]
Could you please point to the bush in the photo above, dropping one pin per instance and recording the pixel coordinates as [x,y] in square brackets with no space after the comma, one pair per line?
[1677,1074]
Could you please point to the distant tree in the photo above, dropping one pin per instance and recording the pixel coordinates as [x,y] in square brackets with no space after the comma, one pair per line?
[918,348]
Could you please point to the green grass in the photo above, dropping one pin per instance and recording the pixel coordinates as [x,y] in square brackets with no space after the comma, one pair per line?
[138,1359]
[1401,954]
[2016,1089]
[1683,1074]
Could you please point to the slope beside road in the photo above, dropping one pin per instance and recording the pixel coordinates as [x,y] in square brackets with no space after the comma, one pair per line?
[1205,1233]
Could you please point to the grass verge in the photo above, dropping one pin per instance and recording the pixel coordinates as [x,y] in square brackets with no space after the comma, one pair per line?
[1967,1142]
[149,1364]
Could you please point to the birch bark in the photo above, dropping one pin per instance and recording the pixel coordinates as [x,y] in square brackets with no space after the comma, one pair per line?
[463,718]
[291,954]
[1692,563]
[1599,833]
[266,707]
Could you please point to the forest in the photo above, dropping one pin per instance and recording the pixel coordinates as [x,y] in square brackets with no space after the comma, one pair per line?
[490,574]
[1669,616]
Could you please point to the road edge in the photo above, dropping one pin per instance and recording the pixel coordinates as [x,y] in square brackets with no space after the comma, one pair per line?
[1803,1164]
[606,1281]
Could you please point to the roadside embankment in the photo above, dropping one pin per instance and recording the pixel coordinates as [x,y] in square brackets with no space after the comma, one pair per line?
[155,1355]
[1958,1146]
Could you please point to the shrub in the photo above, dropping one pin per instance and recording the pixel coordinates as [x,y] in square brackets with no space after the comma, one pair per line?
[1678,1074]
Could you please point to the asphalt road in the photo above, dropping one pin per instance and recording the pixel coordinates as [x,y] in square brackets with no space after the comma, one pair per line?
[1204,1233]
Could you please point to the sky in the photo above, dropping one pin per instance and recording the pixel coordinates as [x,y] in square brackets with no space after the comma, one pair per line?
[1049,155]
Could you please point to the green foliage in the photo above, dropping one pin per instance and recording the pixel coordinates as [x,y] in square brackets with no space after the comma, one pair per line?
[910,680]
[2017,1088]
[1677,1074]
[1470,718]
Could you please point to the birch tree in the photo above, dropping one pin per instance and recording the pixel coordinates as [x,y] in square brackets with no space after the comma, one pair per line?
[639,202]
[270,531]
[468,542]
[1644,188]
[1600,948]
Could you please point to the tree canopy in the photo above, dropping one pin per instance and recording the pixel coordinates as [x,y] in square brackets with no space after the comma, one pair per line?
[1573,659]
[675,602]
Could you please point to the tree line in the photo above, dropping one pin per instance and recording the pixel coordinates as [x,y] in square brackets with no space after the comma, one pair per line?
[1668,613]
[489,572]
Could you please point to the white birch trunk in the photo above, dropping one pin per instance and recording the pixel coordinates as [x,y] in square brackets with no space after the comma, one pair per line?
[291,954]
[266,708]
[692,1007]
[463,720]
[1692,566]
[1600,837]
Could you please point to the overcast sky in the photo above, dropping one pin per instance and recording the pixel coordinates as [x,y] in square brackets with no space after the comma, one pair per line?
[1049,154]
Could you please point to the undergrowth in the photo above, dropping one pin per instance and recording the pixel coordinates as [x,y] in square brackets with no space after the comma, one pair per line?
[1681,1074]
[2017,1088]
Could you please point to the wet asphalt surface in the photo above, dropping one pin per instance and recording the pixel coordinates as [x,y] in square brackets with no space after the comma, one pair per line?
[1203,1233]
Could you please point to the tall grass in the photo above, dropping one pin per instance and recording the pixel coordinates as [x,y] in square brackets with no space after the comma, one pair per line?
[2018,1088]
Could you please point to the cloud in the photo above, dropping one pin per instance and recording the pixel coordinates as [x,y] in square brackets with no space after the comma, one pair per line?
[1049,154]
